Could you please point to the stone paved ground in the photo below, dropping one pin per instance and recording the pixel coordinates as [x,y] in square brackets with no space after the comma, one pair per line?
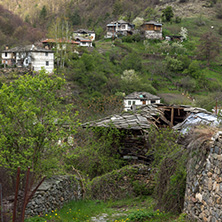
[105,217]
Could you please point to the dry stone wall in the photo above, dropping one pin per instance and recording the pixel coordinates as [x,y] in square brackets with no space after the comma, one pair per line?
[53,194]
[203,197]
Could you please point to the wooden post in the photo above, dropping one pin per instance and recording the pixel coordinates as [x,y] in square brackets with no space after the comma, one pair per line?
[1,203]
[216,107]
[172,116]
[16,194]
[25,195]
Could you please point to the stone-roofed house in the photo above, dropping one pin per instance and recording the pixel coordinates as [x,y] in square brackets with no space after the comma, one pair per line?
[85,34]
[83,41]
[135,125]
[29,56]
[139,99]
[152,30]
[117,28]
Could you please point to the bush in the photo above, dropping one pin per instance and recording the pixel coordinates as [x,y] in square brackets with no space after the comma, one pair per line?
[193,70]
[220,31]
[218,9]
[189,84]
[128,39]
[170,163]
[132,38]
[173,64]
[178,19]
[168,13]
[99,155]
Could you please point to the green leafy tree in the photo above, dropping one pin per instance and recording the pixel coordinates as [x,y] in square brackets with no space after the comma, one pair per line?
[43,13]
[32,123]
[117,8]
[168,13]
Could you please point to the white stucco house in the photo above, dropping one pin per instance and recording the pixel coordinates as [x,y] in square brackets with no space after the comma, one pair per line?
[84,34]
[29,56]
[139,99]
[152,30]
[62,43]
[116,28]
[83,41]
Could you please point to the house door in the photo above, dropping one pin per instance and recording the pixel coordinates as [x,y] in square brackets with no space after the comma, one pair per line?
[144,102]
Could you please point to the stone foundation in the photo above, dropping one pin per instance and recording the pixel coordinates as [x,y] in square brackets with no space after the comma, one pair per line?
[203,197]
[53,194]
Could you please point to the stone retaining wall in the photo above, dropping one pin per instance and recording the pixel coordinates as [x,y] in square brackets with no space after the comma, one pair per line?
[203,197]
[126,182]
[53,194]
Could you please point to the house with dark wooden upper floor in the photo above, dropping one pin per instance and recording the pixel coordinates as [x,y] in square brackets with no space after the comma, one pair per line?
[152,30]
[119,28]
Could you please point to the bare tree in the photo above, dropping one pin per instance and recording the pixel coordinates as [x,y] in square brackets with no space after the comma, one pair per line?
[209,47]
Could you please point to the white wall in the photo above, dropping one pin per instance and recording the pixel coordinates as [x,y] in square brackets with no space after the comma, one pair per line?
[88,44]
[9,55]
[137,102]
[39,60]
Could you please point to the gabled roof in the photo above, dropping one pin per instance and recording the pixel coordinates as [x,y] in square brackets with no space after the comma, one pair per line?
[119,23]
[27,48]
[152,23]
[81,39]
[83,31]
[60,40]
[145,117]
[142,95]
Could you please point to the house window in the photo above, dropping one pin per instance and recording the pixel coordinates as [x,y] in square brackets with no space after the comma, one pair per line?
[46,54]
[47,63]
[134,102]
[153,101]
[129,103]
[6,54]
[123,26]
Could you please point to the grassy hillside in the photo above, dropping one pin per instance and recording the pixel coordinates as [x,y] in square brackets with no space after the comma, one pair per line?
[92,13]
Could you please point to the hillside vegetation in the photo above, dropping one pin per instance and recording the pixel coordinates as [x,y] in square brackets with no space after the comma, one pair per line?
[13,30]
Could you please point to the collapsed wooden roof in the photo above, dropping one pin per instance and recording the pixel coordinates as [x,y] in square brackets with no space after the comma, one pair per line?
[158,115]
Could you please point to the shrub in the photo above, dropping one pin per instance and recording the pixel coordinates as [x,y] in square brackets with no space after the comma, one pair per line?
[174,64]
[168,13]
[99,155]
[218,9]
[170,163]
[220,31]
[178,19]
[189,84]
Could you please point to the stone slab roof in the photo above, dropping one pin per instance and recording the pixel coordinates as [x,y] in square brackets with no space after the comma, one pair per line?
[143,118]
[141,95]
[27,48]
[152,23]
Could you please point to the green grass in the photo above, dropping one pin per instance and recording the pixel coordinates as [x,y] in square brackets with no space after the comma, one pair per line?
[131,209]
